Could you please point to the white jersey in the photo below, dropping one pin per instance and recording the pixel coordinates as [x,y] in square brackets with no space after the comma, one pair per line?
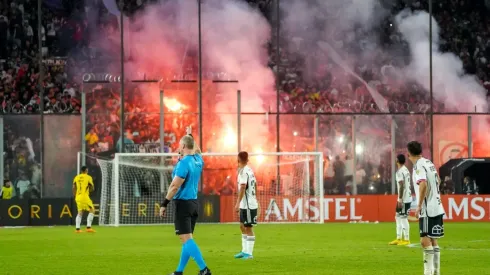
[404,175]
[424,170]
[246,176]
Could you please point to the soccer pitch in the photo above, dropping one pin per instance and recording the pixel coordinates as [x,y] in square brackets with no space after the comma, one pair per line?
[280,249]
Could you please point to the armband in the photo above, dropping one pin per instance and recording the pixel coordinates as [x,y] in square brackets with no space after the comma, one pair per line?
[165,203]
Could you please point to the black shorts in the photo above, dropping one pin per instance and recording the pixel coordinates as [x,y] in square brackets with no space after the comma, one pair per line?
[432,227]
[248,217]
[403,211]
[186,214]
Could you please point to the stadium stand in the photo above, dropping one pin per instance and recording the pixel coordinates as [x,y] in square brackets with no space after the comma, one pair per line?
[464,29]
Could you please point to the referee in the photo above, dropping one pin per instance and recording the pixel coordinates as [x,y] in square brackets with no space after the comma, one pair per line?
[183,191]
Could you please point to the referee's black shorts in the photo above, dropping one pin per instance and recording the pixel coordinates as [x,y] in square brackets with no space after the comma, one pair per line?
[186,214]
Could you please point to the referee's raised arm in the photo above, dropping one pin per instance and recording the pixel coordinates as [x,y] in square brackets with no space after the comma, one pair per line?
[197,150]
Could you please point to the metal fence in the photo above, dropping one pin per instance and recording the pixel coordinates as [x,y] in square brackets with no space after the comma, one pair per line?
[374,141]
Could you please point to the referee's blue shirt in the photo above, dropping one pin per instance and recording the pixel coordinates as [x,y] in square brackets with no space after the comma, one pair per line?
[188,168]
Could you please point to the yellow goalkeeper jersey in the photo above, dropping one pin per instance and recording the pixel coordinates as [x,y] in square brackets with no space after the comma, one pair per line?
[83,183]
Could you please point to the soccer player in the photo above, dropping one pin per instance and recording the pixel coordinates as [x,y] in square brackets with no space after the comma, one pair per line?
[430,211]
[183,192]
[246,206]
[403,203]
[82,186]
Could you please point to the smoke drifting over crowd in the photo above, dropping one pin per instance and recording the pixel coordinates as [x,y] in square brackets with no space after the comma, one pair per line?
[161,41]
[353,29]
[458,91]
[163,38]
[348,38]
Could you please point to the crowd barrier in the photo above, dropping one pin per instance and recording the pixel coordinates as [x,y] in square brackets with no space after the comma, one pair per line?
[372,208]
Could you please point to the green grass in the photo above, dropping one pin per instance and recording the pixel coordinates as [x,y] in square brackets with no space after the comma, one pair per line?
[280,249]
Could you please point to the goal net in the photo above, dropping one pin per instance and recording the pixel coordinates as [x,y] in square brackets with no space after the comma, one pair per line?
[289,186]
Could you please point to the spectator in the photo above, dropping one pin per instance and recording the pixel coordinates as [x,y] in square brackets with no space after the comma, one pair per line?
[22,185]
[91,137]
[447,187]
[470,187]
[228,188]
[7,190]
[339,175]
[128,140]
[349,169]
[360,176]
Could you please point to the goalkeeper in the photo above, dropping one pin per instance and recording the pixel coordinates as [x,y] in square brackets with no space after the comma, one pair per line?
[183,192]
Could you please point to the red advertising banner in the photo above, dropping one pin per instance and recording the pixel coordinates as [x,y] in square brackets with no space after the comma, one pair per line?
[370,208]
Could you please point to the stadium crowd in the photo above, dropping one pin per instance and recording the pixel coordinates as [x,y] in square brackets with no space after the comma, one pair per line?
[307,86]
[19,60]
[66,47]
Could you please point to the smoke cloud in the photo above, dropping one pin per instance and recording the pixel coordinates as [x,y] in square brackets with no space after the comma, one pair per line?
[364,39]
[458,91]
[354,30]
[162,41]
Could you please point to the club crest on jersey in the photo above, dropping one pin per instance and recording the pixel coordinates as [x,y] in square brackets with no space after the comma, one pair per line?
[417,171]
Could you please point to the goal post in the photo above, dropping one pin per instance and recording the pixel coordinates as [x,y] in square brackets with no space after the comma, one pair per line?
[289,186]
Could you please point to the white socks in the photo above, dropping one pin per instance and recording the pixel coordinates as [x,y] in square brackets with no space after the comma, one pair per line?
[78,221]
[250,245]
[90,218]
[398,228]
[437,260]
[405,229]
[244,243]
[428,260]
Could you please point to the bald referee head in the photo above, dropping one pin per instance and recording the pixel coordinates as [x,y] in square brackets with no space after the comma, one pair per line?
[183,191]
